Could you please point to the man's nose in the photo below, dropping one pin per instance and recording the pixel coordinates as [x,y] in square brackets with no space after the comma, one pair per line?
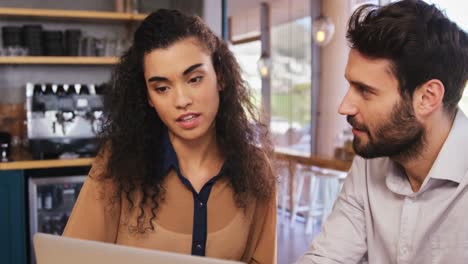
[347,106]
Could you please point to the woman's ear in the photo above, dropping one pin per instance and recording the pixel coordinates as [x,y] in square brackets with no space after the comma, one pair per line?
[219,82]
[428,97]
[149,100]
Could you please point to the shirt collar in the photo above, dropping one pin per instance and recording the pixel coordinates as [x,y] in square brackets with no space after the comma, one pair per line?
[396,180]
[169,155]
[451,163]
[170,160]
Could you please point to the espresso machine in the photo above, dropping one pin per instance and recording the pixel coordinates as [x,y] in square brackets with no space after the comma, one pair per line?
[63,118]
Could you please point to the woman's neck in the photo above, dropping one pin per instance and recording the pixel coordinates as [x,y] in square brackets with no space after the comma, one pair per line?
[199,160]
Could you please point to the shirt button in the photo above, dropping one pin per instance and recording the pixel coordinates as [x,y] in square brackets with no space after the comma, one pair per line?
[404,250]
[199,246]
[201,204]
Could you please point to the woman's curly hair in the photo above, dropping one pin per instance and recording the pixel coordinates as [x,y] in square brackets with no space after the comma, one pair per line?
[132,130]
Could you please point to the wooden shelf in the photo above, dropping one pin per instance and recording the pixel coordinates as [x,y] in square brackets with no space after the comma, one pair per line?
[59,60]
[57,14]
[45,164]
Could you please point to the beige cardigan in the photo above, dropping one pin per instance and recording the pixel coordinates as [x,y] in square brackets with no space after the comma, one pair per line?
[237,234]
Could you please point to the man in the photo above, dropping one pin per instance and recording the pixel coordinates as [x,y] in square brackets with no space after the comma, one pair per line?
[405,199]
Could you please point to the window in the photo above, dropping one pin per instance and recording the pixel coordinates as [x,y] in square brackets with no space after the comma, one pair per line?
[291,85]
[290,52]
[247,55]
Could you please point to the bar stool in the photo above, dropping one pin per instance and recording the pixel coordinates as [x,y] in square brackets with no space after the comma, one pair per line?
[312,210]
[332,182]
[324,186]
[283,195]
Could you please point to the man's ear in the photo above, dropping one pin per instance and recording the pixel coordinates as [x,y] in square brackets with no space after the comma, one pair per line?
[428,97]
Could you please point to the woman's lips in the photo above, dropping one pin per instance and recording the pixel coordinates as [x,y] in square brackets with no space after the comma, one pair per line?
[189,121]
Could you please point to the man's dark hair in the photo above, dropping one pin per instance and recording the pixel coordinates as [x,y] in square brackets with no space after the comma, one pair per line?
[419,40]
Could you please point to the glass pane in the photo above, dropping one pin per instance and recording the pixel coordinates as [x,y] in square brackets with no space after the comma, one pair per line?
[290,91]
[54,205]
[247,55]
[291,85]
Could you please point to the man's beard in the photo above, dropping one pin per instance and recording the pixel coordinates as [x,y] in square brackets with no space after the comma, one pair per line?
[401,136]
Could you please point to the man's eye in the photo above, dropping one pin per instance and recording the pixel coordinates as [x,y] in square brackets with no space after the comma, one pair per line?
[364,91]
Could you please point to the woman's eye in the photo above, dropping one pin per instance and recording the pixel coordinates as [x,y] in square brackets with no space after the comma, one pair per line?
[196,79]
[161,89]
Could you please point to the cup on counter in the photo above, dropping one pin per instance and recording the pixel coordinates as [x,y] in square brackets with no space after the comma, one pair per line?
[5,141]
[13,51]
[100,46]
[111,47]
[121,46]
[72,42]
[87,46]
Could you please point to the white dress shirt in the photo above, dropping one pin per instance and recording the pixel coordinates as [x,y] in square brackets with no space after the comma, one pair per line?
[377,218]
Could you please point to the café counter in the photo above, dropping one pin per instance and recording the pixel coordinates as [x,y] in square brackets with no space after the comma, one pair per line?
[14,241]
[22,160]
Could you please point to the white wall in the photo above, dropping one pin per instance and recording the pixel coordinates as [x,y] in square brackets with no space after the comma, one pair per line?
[212,15]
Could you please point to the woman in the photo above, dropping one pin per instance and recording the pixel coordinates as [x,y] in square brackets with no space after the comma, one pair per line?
[181,169]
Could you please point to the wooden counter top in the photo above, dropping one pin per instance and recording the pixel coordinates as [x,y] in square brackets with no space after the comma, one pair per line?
[329,163]
[22,160]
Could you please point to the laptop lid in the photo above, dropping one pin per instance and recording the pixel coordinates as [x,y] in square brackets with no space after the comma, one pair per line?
[51,249]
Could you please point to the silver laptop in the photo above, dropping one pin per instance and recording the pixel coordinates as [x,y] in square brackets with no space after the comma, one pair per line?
[52,249]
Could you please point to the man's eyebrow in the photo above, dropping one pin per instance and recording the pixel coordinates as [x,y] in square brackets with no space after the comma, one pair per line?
[363,85]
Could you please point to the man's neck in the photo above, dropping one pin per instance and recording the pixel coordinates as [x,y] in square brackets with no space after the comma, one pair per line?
[417,167]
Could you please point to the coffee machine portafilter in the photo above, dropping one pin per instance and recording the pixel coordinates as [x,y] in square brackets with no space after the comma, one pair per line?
[63,118]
